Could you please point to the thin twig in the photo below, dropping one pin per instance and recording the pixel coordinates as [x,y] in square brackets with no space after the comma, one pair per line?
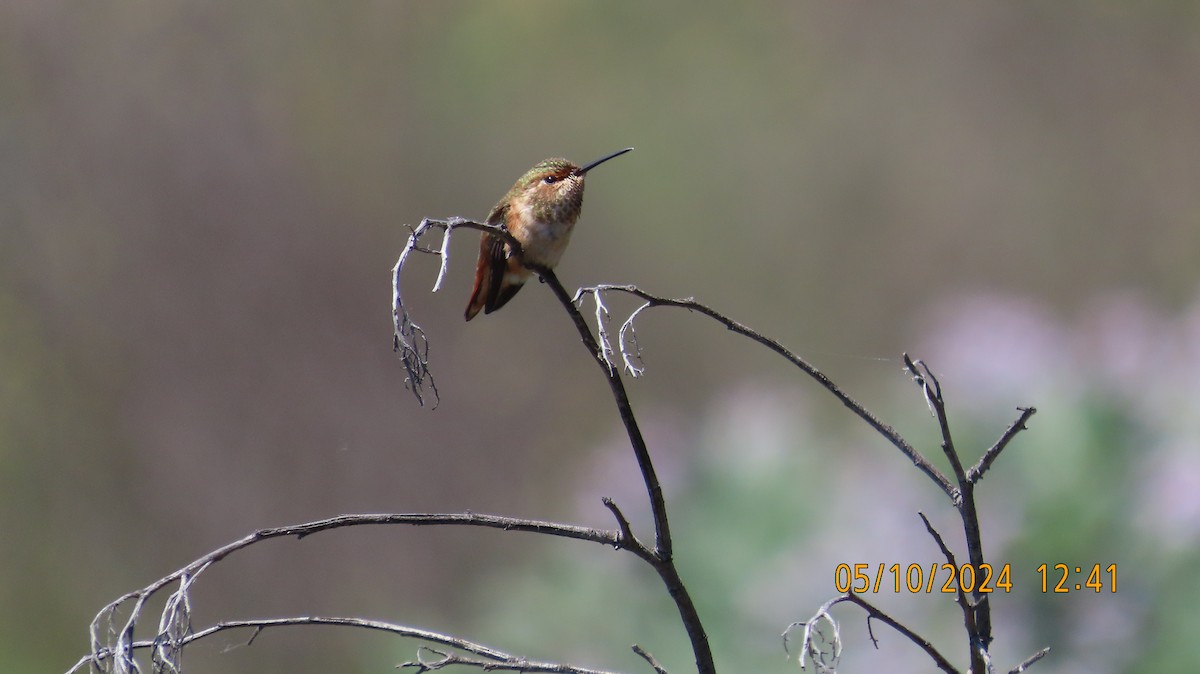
[507,664]
[990,455]
[659,669]
[602,340]
[626,532]
[932,389]
[631,352]
[964,604]
[822,660]
[1027,662]
[444,254]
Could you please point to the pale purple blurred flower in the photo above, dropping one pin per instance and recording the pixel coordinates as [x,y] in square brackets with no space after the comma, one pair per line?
[997,349]
[1168,502]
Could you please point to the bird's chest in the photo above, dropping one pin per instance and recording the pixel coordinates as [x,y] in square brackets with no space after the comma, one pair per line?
[543,240]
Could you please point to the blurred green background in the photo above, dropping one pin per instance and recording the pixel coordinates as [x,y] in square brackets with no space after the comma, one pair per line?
[200,203]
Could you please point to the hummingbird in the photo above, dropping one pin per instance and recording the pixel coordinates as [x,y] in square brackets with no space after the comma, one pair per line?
[539,211]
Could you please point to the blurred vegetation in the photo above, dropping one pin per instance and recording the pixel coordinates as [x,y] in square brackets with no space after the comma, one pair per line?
[200,202]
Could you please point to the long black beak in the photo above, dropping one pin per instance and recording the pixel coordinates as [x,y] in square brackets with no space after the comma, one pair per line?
[584,169]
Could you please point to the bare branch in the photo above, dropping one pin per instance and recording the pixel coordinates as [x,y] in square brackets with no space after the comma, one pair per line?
[408,339]
[873,611]
[632,362]
[175,620]
[968,610]
[659,669]
[605,344]
[990,455]
[631,353]
[932,388]
[174,625]
[628,540]
[1027,662]
[444,253]
[507,664]
[825,658]
[489,658]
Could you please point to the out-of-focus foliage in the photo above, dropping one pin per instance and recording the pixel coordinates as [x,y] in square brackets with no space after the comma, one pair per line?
[200,203]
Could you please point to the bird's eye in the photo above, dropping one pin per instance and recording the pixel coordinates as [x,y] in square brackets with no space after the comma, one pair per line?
[550,180]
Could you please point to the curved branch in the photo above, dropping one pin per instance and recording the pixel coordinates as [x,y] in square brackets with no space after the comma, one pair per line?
[489,658]
[856,407]
[174,623]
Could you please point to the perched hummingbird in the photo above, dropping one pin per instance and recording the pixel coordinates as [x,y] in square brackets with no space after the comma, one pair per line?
[539,211]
